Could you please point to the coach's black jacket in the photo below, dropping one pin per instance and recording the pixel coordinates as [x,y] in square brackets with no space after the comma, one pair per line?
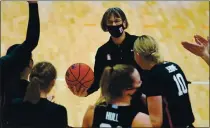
[111,54]
[11,65]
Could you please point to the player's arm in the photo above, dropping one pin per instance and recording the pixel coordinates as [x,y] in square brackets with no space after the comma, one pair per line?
[206,58]
[154,98]
[141,120]
[31,40]
[98,70]
[154,104]
[88,118]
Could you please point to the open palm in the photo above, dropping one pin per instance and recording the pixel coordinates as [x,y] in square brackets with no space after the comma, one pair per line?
[200,48]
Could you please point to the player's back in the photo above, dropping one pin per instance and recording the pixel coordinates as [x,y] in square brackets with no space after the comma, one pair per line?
[174,89]
[42,114]
[113,116]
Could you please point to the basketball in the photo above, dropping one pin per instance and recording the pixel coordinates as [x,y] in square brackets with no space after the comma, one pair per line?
[79,75]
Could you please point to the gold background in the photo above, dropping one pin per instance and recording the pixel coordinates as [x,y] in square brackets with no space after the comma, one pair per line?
[71,33]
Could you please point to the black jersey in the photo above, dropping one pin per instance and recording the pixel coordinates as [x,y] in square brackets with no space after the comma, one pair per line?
[113,116]
[44,114]
[168,80]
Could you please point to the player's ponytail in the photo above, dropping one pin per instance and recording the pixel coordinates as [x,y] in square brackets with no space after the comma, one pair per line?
[104,84]
[155,57]
[42,79]
[148,48]
[114,80]
[33,90]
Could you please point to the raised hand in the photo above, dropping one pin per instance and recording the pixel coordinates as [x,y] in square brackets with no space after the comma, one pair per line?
[201,48]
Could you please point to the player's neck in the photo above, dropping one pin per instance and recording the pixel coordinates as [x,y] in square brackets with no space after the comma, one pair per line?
[150,66]
[43,94]
[119,40]
[24,75]
[121,101]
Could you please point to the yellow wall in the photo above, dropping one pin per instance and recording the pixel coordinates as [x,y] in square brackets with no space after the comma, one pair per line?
[71,33]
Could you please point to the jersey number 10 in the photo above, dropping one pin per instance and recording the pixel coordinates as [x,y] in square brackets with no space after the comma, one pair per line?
[180,83]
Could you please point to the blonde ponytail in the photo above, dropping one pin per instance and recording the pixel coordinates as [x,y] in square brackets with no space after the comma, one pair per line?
[114,81]
[156,57]
[104,84]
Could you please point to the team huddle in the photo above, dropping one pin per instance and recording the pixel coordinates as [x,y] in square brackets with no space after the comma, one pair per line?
[138,87]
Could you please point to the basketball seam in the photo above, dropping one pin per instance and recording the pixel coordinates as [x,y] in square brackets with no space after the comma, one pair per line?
[68,77]
[82,83]
[71,80]
[76,84]
[82,79]
[79,72]
[73,75]
[88,81]
[85,75]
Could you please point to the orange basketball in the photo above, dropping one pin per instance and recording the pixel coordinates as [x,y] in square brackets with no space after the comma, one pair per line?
[79,75]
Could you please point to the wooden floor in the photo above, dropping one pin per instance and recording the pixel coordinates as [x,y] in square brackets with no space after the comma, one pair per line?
[71,33]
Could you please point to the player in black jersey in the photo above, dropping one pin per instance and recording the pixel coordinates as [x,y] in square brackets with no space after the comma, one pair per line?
[166,89]
[118,84]
[35,111]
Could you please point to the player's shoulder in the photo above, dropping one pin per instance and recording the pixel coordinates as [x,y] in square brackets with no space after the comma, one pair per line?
[55,107]
[91,107]
[90,111]
[163,65]
[61,108]
[168,64]
[165,68]
[160,68]
[141,120]
[57,110]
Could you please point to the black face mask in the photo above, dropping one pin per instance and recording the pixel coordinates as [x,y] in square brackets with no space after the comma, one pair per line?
[116,31]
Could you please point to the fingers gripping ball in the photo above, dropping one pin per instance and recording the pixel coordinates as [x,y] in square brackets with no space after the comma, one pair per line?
[79,75]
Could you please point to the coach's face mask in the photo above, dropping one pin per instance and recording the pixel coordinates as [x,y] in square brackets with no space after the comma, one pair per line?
[116,31]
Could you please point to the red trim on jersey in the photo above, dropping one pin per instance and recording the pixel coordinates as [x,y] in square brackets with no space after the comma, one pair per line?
[168,113]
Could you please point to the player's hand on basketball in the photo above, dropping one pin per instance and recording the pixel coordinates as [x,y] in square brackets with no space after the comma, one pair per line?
[201,48]
[81,93]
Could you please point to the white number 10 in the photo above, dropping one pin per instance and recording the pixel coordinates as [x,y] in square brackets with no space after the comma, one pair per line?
[180,84]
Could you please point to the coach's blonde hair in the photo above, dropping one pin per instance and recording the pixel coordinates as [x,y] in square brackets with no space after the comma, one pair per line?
[148,48]
[114,80]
